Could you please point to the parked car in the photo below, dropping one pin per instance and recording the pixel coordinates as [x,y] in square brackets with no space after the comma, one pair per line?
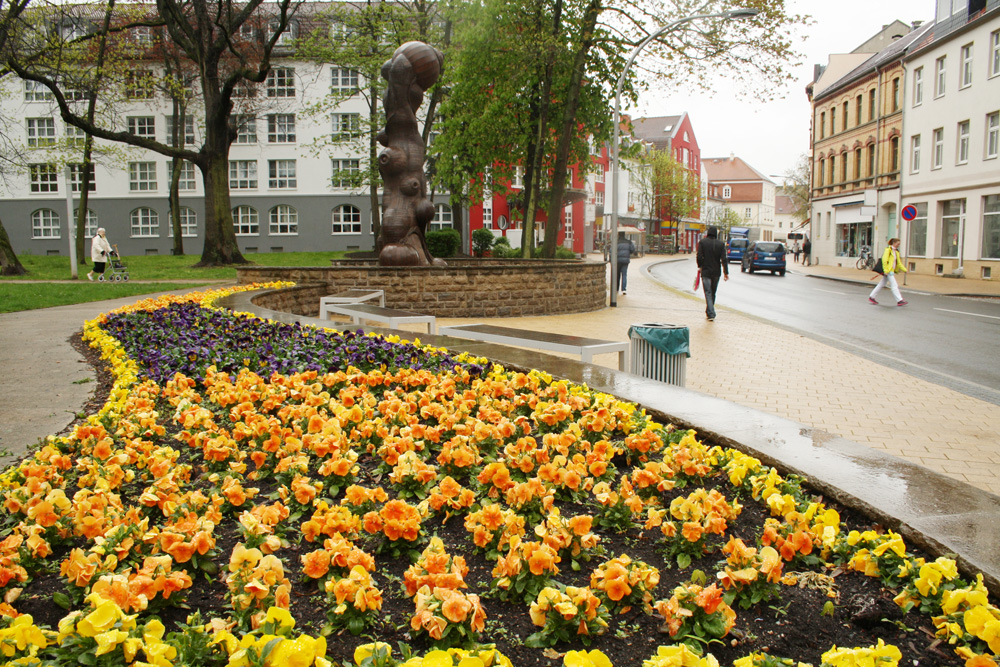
[735,249]
[764,256]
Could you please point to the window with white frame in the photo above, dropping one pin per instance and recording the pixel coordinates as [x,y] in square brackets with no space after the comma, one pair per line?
[918,86]
[937,158]
[284,221]
[917,244]
[245,90]
[340,31]
[915,154]
[142,126]
[281,174]
[75,136]
[189,223]
[41,131]
[287,36]
[90,223]
[346,220]
[346,125]
[73,28]
[488,213]
[748,213]
[599,197]
[727,192]
[346,173]
[966,66]
[952,218]
[188,139]
[281,128]
[45,224]
[962,149]
[940,70]
[991,227]
[599,174]
[568,223]
[145,223]
[243,174]
[442,217]
[140,84]
[995,53]
[281,82]
[141,176]
[76,177]
[246,221]
[517,179]
[189,179]
[992,135]
[43,177]
[246,128]
[343,80]
[142,35]
[37,92]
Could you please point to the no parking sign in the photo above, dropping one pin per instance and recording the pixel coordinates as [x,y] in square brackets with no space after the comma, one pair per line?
[909,212]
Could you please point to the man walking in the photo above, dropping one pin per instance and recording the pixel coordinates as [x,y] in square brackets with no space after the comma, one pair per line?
[712,261]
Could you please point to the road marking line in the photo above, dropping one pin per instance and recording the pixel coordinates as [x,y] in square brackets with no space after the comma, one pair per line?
[831,292]
[962,312]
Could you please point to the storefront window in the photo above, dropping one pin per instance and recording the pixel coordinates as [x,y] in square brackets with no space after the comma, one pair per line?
[991,227]
[851,237]
[917,243]
[952,213]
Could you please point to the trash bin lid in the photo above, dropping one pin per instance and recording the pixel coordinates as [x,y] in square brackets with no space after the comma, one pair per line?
[668,338]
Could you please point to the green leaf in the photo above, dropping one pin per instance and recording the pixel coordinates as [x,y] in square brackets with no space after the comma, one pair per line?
[356,626]
[575,565]
[683,560]
[87,659]
[715,625]
[537,640]
[62,600]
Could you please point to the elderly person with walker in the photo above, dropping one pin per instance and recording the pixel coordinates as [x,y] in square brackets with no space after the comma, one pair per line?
[100,250]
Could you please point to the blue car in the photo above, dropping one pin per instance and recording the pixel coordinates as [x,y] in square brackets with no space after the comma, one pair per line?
[764,256]
[735,249]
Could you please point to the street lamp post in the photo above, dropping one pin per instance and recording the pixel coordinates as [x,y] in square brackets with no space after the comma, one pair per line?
[732,14]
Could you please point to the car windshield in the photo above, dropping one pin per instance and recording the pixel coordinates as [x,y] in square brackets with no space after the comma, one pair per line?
[738,243]
[770,247]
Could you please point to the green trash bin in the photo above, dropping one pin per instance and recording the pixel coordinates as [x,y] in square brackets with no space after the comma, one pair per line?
[659,352]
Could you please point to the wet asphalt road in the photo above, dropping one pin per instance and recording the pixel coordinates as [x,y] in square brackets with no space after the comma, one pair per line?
[948,340]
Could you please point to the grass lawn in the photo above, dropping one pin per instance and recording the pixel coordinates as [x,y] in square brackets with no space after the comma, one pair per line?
[165,267]
[30,296]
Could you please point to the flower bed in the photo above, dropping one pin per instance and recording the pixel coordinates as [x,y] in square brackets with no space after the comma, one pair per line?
[245,479]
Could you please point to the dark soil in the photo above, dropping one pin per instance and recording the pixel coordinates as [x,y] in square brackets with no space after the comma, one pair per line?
[793,627]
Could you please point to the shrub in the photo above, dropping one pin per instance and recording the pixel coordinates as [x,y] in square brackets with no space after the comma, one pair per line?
[444,243]
[482,241]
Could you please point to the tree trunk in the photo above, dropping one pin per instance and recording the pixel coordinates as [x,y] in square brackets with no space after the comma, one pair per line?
[81,212]
[220,234]
[569,128]
[180,120]
[10,265]
[374,178]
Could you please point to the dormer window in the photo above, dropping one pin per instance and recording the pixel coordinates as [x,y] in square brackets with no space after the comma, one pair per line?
[290,33]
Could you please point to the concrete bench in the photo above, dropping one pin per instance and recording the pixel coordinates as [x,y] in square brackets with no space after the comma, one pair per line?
[347,297]
[390,317]
[540,340]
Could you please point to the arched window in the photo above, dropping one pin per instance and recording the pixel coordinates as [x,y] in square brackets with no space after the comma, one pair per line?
[90,228]
[284,221]
[145,223]
[346,220]
[442,217]
[189,223]
[246,221]
[45,224]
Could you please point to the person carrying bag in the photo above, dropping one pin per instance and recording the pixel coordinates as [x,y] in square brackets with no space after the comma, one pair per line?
[888,267]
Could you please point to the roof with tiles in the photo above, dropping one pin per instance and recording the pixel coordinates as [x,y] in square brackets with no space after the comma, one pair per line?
[731,169]
[658,130]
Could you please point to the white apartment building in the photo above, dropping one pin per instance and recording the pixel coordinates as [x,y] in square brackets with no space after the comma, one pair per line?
[289,181]
[951,131]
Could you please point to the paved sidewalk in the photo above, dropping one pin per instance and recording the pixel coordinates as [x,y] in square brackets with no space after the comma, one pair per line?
[924,423]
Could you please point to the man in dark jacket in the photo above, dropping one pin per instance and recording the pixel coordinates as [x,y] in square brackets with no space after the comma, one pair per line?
[712,262]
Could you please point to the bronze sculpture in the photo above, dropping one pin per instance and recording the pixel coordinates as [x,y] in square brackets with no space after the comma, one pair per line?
[406,211]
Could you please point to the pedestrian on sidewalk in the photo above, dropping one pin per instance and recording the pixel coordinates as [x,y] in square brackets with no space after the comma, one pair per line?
[806,250]
[711,259]
[795,251]
[891,265]
[625,251]
[100,250]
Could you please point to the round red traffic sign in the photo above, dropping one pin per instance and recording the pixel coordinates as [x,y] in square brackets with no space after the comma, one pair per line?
[909,212]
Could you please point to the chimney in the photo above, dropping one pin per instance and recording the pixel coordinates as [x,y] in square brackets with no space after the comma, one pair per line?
[732,157]
[916,24]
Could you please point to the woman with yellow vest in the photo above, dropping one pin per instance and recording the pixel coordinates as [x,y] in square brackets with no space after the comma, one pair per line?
[891,265]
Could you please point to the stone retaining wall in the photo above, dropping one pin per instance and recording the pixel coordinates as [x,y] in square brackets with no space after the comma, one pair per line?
[476,288]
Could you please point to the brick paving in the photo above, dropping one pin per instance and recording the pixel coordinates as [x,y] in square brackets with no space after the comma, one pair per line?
[814,383]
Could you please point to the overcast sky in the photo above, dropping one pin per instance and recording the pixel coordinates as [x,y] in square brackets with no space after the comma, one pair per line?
[771,136]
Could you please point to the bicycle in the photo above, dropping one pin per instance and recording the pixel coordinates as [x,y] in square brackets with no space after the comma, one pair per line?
[867,259]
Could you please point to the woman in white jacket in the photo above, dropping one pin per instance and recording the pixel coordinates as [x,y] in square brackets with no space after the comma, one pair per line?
[100,249]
